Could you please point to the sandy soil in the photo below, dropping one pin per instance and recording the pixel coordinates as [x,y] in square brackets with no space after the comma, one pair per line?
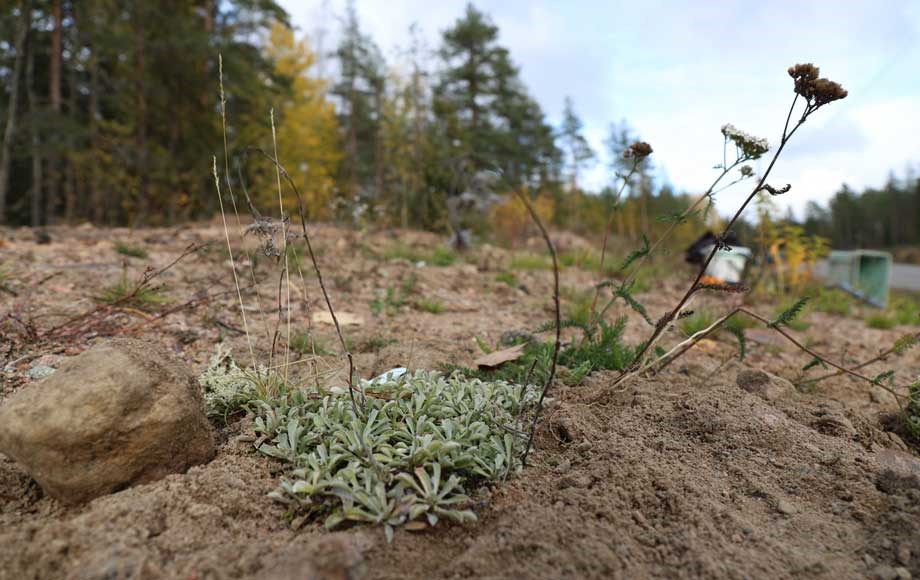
[683,475]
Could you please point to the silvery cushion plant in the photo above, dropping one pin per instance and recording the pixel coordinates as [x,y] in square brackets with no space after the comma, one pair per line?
[405,457]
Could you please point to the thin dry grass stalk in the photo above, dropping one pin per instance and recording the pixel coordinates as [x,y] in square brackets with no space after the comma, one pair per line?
[319,276]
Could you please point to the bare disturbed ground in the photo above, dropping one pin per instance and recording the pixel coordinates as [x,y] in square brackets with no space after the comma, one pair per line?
[680,475]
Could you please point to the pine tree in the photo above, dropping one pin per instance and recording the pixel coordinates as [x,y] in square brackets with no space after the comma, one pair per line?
[578,151]
[360,90]
[488,118]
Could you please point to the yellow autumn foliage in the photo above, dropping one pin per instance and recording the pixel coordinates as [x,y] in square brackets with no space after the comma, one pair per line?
[510,221]
[307,132]
[793,253]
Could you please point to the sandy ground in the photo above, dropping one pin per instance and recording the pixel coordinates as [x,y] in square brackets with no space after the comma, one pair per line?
[679,475]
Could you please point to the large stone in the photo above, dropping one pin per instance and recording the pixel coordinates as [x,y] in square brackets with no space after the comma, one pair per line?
[122,413]
[335,556]
[902,464]
[763,384]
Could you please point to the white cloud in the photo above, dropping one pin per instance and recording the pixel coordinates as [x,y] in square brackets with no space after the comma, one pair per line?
[678,74]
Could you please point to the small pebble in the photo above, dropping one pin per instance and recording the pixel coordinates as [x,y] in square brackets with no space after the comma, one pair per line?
[884,572]
[903,554]
[784,507]
[39,372]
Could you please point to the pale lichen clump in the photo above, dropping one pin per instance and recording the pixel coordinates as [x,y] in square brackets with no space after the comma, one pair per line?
[226,386]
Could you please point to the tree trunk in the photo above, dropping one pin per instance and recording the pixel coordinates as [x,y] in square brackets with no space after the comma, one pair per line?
[95,193]
[141,113]
[9,133]
[37,181]
[415,183]
[351,149]
[70,177]
[54,96]
[378,145]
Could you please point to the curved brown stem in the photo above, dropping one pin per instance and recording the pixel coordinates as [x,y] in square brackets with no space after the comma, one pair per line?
[659,329]
[319,277]
[558,343]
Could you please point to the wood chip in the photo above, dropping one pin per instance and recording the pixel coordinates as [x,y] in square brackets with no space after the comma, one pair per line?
[345,318]
[499,357]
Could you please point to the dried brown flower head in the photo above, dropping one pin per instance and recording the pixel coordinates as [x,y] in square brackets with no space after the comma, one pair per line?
[270,232]
[817,91]
[638,151]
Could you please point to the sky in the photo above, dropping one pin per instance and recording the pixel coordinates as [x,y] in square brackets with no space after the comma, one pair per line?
[677,71]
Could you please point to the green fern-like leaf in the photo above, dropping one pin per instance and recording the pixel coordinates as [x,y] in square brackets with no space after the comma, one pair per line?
[624,291]
[742,340]
[814,363]
[882,377]
[789,314]
[905,343]
[636,254]
[565,323]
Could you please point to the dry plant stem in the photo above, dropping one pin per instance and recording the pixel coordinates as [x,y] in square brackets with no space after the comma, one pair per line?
[236,213]
[659,329]
[878,358]
[558,344]
[276,333]
[686,345]
[185,305]
[609,224]
[709,192]
[236,281]
[685,214]
[319,276]
[285,273]
[144,282]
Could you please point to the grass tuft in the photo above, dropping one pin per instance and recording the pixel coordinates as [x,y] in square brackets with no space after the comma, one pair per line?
[130,250]
[430,305]
[128,294]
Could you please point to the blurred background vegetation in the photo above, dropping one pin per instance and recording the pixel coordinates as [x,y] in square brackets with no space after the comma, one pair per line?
[110,114]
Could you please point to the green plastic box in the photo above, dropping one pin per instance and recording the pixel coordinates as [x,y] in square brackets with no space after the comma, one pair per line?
[864,273]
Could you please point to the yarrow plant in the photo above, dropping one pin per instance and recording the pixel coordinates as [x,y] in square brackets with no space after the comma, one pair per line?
[748,145]
[816,92]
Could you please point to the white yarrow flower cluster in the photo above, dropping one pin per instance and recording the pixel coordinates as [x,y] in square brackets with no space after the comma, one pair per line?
[752,147]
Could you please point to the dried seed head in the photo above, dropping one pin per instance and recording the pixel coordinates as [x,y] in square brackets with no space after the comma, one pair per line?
[817,91]
[828,91]
[638,151]
[724,287]
[270,233]
[746,171]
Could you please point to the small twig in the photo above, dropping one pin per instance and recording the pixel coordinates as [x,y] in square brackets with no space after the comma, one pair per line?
[678,350]
[877,358]
[607,226]
[230,327]
[104,309]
